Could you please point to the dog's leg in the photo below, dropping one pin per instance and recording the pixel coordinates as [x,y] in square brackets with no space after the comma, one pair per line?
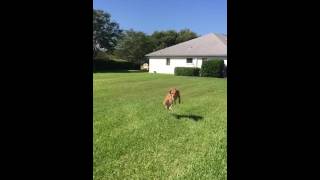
[166,107]
[178,96]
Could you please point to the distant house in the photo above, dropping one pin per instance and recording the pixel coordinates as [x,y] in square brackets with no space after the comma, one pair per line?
[144,66]
[189,54]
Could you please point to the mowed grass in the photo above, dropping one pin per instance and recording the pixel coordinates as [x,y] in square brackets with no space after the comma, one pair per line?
[136,138]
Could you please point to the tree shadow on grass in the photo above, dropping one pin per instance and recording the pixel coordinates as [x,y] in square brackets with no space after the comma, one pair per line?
[189,116]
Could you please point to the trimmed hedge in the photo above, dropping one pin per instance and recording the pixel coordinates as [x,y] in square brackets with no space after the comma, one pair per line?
[186,71]
[107,65]
[212,68]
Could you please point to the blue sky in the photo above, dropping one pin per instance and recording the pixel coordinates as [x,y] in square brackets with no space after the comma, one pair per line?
[201,16]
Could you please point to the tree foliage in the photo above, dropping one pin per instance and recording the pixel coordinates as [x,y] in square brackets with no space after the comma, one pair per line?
[163,39]
[133,46]
[185,35]
[105,32]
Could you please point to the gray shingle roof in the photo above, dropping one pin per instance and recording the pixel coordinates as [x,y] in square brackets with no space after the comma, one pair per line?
[208,45]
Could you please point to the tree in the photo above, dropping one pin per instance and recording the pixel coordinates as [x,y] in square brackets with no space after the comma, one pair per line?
[185,35]
[133,46]
[163,39]
[105,32]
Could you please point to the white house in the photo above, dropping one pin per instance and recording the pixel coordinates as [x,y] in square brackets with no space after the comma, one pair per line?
[188,54]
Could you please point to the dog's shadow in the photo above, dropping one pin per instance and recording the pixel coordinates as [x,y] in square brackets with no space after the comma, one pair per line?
[189,116]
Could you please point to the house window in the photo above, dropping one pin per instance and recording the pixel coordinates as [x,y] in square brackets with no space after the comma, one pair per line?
[204,59]
[168,61]
[189,60]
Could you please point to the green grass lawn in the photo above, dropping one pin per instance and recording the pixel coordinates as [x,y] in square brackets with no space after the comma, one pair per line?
[136,138]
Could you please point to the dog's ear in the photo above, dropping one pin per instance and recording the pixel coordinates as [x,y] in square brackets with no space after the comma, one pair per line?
[170,90]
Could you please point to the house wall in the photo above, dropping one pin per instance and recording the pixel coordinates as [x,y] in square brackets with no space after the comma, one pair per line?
[159,64]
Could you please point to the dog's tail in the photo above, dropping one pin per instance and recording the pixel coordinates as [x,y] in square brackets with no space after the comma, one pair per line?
[179,97]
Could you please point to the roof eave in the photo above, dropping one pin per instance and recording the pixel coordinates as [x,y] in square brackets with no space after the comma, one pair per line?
[193,55]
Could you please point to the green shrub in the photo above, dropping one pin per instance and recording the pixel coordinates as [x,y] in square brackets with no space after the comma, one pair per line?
[186,71]
[110,65]
[212,68]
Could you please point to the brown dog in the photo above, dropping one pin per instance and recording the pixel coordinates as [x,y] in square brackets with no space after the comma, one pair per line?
[171,98]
